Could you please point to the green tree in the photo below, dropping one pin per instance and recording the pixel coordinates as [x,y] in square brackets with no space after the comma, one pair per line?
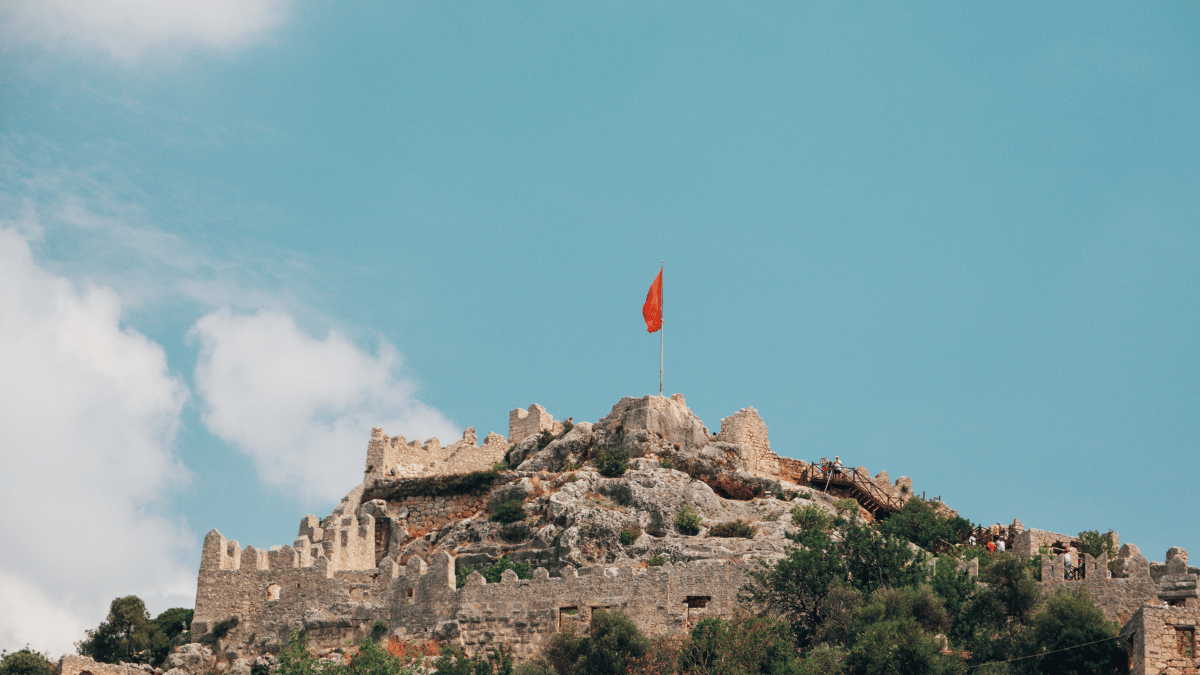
[918,522]
[1072,623]
[613,644]
[494,571]
[896,633]
[742,645]
[122,635]
[25,662]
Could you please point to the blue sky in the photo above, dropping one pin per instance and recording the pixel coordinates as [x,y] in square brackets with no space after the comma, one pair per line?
[955,242]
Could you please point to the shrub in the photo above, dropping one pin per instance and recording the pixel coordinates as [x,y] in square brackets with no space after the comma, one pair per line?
[621,493]
[545,438]
[378,630]
[656,560]
[811,518]
[614,641]
[630,535]
[26,662]
[770,517]
[454,662]
[733,528]
[667,464]
[846,506]
[509,512]
[568,425]
[688,521]
[611,460]
[742,644]
[919,523]
[534,667]
[494,571]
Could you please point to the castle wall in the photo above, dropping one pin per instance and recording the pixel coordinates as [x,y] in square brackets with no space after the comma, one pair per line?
[1118,597]
[525,423]
[1162,640]
[72,664]
[393,457]
[273,594]
[748,430]
[1028,542]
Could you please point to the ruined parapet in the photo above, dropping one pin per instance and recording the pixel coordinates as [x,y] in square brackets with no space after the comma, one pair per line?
[747,429]
[394,458]
[1177,585]
[1030,541]
[525,423]
[1162,640]
[72,664]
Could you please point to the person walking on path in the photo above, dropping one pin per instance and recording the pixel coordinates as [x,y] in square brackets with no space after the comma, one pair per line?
[991,547]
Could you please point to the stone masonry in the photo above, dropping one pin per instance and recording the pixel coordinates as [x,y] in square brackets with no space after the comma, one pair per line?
[1162,640]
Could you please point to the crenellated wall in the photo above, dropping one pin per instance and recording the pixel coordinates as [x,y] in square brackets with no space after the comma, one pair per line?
[393,457]
[279,591]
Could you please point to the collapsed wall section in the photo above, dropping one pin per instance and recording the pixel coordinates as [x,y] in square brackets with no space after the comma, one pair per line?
[393,457]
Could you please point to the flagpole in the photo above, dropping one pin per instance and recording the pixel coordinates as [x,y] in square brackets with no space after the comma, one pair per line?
[660,340]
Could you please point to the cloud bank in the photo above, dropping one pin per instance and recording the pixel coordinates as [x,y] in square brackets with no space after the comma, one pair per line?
[302,407]
[89,412]
[128,30]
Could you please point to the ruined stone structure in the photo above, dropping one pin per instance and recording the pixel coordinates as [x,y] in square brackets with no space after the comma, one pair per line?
[1162,640]
[394,551]
[395,548]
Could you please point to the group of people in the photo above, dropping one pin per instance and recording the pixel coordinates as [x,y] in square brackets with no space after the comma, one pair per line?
[994,541]
[827,466]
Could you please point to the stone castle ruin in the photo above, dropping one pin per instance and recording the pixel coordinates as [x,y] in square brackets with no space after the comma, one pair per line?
[396,553]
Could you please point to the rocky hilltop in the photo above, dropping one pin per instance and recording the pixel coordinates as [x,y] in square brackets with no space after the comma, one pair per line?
[646,510]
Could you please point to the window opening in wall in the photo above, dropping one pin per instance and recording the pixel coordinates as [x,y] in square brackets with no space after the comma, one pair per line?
[273,592]
[1185,642]
[696,605]
[568,614]
[1174,603]
[408,596]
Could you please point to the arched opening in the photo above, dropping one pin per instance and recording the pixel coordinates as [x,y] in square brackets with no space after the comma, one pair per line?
[273,592]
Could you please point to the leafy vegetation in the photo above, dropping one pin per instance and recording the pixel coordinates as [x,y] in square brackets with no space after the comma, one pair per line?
[494,571]
[369,658]
[630,535]
[611,460]
[688,521]
[25,662]
[919,523]
[656,560]
[613,643]
[129,634]
[509,512]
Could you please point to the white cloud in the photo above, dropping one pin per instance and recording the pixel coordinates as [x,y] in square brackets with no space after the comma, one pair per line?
[128,30]
[302,407]
[88,414]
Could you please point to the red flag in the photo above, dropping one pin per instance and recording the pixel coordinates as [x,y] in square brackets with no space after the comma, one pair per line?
[652,310]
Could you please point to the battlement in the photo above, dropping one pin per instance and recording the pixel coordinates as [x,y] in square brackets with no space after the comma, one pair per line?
[525,423]
[421,602]
[395,457]
[1134,582]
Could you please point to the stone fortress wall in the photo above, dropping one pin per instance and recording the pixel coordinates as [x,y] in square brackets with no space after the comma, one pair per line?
[335,580]
[274,592]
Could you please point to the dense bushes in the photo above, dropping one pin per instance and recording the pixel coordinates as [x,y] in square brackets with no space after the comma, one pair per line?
[494,571]
[26,662]
[129,634]
[733,528]
[509,512]
[614,641]
[919,523]
[611,460]
[688,521]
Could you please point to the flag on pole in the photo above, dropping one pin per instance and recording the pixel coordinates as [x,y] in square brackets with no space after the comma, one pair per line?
[652,310]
